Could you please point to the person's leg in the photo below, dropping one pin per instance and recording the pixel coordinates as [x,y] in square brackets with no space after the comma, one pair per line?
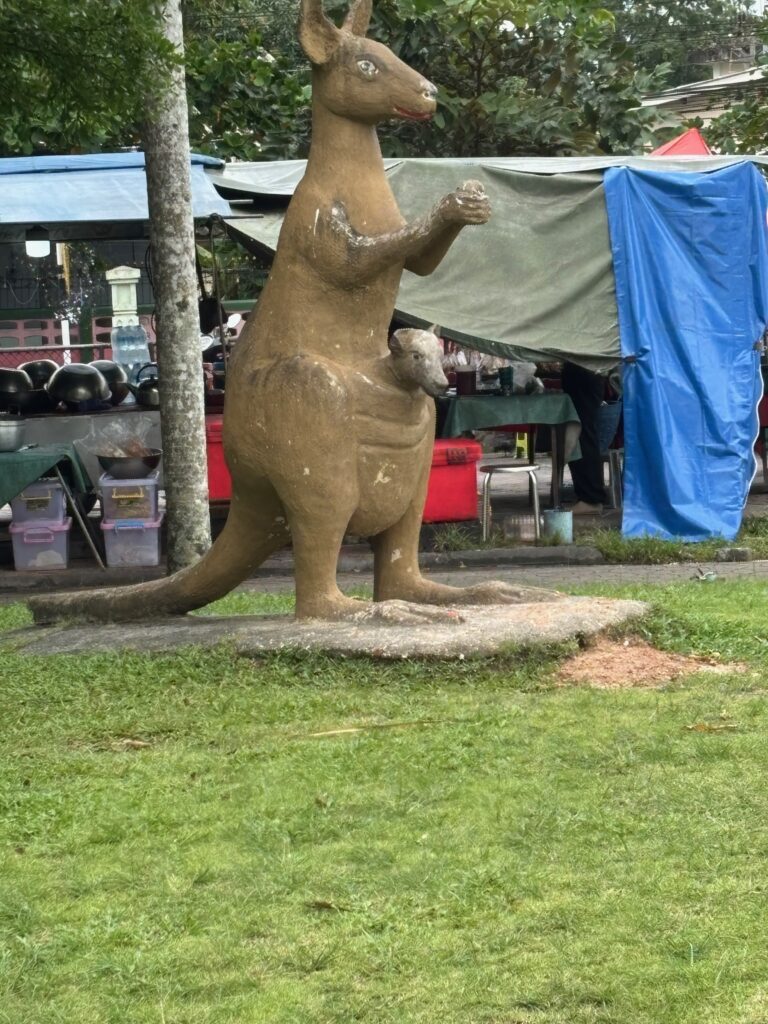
[586,392]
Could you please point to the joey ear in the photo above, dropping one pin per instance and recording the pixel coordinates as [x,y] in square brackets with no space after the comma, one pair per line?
[395,344]
[359,17]
[318,36]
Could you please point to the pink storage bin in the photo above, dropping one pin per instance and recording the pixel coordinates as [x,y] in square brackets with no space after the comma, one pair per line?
[40,546]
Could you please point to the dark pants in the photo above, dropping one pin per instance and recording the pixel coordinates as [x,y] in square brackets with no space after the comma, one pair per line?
[586,392]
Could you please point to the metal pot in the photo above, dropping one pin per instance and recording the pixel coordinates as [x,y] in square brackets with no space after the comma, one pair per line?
[130,467]
[147,391]
[40,371]
[77,384]
[15,386]
[115,376]
[11,433]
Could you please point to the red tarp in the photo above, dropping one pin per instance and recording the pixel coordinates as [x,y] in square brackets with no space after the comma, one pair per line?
[690,143]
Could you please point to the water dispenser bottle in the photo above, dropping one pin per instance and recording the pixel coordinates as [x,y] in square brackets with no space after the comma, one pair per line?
[130,348]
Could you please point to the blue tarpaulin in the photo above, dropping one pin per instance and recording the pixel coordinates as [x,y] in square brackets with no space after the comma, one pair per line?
[90,189]
[690,258]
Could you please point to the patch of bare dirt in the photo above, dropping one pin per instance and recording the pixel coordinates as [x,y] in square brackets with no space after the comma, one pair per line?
[621,664]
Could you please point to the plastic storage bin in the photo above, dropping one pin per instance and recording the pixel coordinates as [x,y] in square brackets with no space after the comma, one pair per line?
[40,546]
[132,541]
[42,501]
[219,480]
[129,499]
[452,492]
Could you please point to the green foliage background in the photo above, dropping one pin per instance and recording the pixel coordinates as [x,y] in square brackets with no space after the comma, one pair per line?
[516,76]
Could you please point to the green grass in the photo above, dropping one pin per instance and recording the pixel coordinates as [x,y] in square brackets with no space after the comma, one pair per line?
[518,853]
[612,545]
[653,551]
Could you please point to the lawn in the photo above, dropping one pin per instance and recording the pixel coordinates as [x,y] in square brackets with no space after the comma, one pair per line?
[181,844]
[612,545]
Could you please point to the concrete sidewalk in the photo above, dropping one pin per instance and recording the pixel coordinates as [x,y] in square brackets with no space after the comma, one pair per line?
[460,568]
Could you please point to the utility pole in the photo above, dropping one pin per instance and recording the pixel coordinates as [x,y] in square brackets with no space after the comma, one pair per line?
[165,136]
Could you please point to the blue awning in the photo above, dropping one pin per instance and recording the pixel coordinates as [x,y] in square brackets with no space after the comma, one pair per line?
[97,195]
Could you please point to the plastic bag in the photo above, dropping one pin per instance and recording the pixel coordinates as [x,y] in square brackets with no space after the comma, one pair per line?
[525,381]
[119,438]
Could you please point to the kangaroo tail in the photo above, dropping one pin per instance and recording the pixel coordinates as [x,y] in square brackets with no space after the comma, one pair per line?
[242,546]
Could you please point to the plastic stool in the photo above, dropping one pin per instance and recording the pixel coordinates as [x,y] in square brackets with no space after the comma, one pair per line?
[502,467]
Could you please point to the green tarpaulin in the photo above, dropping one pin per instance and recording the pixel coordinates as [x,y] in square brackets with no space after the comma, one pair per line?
[535,282]
[19,469]
[537,277]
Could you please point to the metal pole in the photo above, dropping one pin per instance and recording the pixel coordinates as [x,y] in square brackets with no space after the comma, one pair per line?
[80,520]
[217,293]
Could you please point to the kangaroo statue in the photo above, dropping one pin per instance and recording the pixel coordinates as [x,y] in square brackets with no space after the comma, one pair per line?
[317,438]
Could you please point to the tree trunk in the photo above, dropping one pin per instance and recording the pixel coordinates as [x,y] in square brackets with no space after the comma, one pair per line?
[172,236]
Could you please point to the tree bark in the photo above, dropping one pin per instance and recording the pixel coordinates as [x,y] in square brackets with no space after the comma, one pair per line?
[165,135]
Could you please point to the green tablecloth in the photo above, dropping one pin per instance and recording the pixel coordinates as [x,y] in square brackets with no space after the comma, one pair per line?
[484,412]
[19,469]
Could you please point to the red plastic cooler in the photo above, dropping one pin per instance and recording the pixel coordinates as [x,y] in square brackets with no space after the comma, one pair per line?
[219,480]
[452,493]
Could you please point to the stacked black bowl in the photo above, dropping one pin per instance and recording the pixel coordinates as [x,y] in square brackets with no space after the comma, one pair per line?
[15,390]
[116,378]
[40,372]
[82,388]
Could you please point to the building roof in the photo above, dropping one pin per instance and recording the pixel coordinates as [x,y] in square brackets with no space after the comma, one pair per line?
[707,99]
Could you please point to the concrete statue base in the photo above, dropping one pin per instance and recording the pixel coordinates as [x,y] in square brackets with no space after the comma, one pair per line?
[390,630]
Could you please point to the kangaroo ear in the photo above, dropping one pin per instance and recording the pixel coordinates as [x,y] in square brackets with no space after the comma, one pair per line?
[318,36]
[435,329]
[359,17]
[395,344]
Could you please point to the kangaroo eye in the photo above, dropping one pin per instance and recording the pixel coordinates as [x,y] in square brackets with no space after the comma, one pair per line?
[416,357]
[368,68]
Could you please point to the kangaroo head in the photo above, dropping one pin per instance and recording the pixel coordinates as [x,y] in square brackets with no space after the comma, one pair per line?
[416,360]
[358,78]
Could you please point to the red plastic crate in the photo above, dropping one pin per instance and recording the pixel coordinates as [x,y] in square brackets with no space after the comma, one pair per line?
[452,493]
[219,480]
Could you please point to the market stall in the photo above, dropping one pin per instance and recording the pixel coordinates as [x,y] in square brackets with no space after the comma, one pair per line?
[544,285]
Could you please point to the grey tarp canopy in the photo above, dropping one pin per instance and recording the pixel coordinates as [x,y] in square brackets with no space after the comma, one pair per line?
[536,281]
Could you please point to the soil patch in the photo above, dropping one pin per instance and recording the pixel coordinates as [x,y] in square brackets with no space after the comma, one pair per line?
[620,664]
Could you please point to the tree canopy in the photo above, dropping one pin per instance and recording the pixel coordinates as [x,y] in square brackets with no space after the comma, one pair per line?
[680,38]
[247,81]
[73,75]
[515,76]
[540,77]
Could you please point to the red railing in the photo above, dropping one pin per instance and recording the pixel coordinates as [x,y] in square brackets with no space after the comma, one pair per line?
[12,357]
[24,340]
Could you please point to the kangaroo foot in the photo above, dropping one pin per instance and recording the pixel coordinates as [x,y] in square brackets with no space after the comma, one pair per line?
[350,609]
[404,613]
[492,592]
[330,606]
